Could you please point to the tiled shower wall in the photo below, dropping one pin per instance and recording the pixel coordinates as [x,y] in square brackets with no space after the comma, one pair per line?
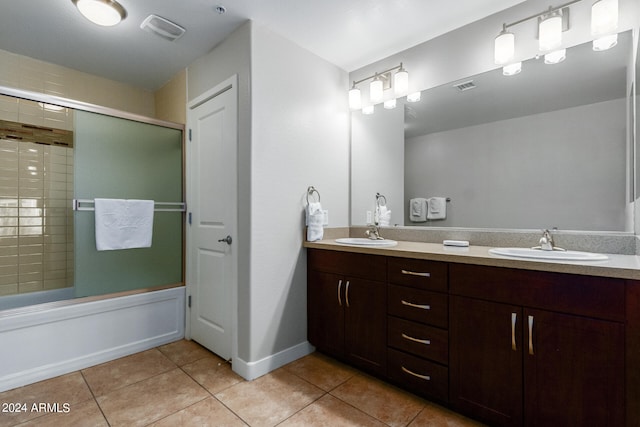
[36,220]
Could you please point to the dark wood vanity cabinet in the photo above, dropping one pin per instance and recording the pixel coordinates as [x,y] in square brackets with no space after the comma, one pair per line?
[417,331]
[346,309]
[535,348]
[509,347]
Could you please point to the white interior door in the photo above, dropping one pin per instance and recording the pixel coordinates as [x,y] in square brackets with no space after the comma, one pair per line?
[212,206]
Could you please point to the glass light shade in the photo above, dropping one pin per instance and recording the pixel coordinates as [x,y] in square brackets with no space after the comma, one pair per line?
[504,47]
[605,42]
[555,57]
[512,69]
[369,109]
[355,98]
[414,97]
[604,17]
[401,82]
[390,104]
[376,90]
[550,32]
[102,12]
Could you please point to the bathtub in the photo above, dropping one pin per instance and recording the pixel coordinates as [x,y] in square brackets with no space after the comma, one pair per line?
[47,340]
[33,298]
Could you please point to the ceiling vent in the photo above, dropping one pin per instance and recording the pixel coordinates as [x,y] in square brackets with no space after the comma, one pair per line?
[465,86]
[162,27]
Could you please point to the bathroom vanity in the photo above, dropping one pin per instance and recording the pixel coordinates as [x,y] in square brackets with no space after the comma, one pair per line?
[509,342]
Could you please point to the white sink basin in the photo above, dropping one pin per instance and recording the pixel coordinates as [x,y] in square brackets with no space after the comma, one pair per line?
[555,255]
[363,241]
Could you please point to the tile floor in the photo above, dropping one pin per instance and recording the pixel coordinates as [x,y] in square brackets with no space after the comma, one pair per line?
[183,384]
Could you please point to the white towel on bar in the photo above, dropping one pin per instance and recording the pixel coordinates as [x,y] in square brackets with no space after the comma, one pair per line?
[418,209]
[123,224]
[437,208]
[315,219]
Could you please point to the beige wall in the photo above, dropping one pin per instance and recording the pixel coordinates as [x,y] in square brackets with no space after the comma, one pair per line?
[171,99]
[22,72]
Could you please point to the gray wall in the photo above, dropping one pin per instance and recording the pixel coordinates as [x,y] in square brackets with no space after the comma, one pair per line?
[538,171]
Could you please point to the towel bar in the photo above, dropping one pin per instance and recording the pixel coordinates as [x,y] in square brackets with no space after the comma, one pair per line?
[80,205]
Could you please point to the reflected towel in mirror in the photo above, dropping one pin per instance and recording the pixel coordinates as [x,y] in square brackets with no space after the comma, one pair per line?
[418,209]
[437,208]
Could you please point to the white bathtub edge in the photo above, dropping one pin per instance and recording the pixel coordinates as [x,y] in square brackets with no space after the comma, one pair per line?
[35,350]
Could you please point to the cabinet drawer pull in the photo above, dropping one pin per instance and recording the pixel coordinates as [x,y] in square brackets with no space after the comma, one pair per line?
[421,306]
[346,293]
[339,288]
[413,273]
[514,318]
[422,377]
[531,335]
[418,340]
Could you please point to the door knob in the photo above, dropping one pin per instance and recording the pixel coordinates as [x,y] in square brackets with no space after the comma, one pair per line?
[227,240]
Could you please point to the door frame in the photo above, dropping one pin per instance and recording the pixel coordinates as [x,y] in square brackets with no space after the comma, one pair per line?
[230,83]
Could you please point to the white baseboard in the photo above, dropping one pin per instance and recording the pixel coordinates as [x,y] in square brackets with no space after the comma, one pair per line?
[39,345]
[253,370]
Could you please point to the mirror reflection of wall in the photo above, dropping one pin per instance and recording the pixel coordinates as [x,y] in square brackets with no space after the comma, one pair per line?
[541,149]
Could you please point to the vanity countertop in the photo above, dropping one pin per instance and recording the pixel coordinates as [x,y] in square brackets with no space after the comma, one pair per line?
[617,266]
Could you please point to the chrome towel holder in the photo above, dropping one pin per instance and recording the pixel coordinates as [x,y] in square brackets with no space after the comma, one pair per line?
[311,191]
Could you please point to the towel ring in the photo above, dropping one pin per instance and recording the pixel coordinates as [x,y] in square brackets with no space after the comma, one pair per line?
[380,197]
[310,191]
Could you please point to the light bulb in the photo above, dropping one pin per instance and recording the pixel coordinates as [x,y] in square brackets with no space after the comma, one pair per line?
[355,99]
[555,57]
[102,12]
[390,104]
[512,69]
[504,47]
[376,90]
[604,17]
[369,109]
[401,82]
[605,42]
[550,31]
[414,97]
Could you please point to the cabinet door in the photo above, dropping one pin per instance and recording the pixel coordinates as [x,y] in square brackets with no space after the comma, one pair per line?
[486,360]
[366,324]
[325,312]
[574,371]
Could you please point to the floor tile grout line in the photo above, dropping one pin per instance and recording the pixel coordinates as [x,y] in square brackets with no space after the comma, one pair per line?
[304,407]
[95,399]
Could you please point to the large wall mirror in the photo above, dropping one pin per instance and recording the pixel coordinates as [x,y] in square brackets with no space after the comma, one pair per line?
[546,148]
[56,159]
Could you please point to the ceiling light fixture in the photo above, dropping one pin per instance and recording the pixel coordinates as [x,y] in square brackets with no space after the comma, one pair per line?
[380,83]
[604,24]
[102,12]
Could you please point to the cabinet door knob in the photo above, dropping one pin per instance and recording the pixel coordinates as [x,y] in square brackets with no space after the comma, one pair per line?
[424,377]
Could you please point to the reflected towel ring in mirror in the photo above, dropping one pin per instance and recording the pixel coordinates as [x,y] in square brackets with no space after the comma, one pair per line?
[310,191]
[379,200]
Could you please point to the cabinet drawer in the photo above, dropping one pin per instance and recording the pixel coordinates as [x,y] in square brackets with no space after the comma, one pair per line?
[421,340]
[591,296]
[419,375]
[418,273]
[372,267]
[422,306]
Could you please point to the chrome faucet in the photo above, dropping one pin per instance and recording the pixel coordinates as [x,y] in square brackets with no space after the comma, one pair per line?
[547,243]
[374,232]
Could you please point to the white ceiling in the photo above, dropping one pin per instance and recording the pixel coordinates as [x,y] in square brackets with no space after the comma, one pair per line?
[348,33]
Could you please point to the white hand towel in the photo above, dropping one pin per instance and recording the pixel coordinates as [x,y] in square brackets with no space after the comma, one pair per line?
[384,217]
[315,219]
[437,208]
[418,210]
[123,224]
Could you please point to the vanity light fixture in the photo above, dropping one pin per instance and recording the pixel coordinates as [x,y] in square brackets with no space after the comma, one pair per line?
[550,30]
[512,69]
[106,13]
[414,97]
[555,57]
[604,24]
[504,46]
[390,104]
[380,82]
